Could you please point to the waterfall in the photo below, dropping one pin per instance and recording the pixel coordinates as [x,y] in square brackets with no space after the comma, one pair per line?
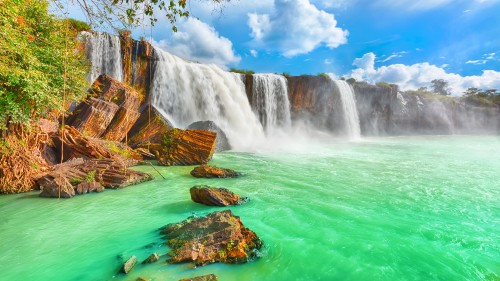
[104,53]
[351,119]
[186,92]
[270,101]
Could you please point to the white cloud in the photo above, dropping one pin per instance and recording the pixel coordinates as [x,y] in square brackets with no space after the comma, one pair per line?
[420,75]
[484,59]
[327,61]
[254,53]
[295,27]
[198,41]
[394,55]
[418,5]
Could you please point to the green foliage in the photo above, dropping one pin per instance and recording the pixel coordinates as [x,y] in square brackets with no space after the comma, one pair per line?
[90,177]
[351,80]
[32,65]
[440,87]
[241,71]
[479,97]
[324,75]
[286,74]
[79,25]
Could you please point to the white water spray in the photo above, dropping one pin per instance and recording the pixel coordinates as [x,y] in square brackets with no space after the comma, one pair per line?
[186,92]
[351,118]
[103,51]
[270,101]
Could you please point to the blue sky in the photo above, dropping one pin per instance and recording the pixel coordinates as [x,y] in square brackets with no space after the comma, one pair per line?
[407,42]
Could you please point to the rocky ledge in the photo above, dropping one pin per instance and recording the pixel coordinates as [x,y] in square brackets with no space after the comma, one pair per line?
[217,237]
[207,171]
[214,196]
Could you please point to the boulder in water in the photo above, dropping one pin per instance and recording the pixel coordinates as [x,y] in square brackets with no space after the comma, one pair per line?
[186,147]
[56,187]
[210,277]
[213,196]
[217,237]
[207,171]
[154,257]
[149,130]
[222,143]
[129,265]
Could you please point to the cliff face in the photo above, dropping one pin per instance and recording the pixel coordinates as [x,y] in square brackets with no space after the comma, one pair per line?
[315,100]
[383,110]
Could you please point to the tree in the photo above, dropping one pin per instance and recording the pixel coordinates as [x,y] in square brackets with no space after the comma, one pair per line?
[129,13]
[39,63]
[472,91]
[351,80]
[440,87]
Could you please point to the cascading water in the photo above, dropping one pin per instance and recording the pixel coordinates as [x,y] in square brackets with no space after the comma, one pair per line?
[103,51]
[186,92]
[351,118]
[270,101]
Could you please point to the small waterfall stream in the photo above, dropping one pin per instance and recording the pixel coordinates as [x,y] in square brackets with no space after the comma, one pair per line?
[270,101]
[103,51]
[186,92]
[351,118]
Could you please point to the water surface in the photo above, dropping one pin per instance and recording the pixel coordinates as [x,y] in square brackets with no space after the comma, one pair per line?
[406,208]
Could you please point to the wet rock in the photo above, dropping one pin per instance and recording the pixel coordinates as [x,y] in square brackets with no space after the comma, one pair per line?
[186,147]
[217,237]
[129,265]
[207,171]
[213,196]
[154,257]
[210,277]
[142,279]
[222,143]
[57,186]
[87,187]
[87,176]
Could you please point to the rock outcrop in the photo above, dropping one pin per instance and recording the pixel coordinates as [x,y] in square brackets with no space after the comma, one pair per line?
[222,143]
[154,257]
[207,171]
[85,176]
[217,237]
[149,130]
[213,196]
[109,112]
[210,277]
[72,144]
[129,265]
[186,147]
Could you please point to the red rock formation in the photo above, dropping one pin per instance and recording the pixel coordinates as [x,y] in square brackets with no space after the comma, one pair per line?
[85,176]
[303,91]
[207,171]
[92,117]
[210,277]
[186,147]
[149,129]
[213,196]
[76,145]
[217,237]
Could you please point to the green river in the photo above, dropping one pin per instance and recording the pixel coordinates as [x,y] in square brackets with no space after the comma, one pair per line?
[401,208]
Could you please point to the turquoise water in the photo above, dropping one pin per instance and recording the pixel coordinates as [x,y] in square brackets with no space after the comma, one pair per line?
[408,208]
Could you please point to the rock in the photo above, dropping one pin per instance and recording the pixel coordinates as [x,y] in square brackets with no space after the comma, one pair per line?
[217,237]
[56,187]
[222,143]
[142,279]
[154,257]
[213,196]
[186,147]
[87,176]
[77,145]
[120,125]
[149,129]
[207,171]
[129,265]
[210,277]
[87,187]
[92,117]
